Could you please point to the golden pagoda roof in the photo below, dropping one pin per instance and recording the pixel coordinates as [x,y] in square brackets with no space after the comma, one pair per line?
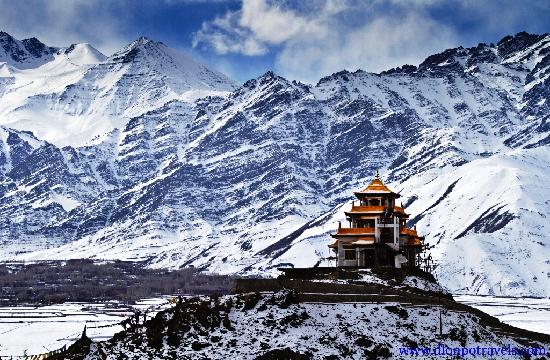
[376,186]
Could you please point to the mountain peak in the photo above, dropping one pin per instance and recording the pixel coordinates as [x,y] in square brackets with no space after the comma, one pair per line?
[34,46]
[269,73]
[342,75]
[4,34]
[143,40]
[25,53]
[445,59]
[83,54]
[514,43]
[184,72]
[404,69]
[140,48]
[269,77]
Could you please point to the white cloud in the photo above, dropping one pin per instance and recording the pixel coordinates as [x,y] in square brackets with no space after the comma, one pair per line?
[62,22]
[380,44]
[225,36]
[328,36]
[273,24]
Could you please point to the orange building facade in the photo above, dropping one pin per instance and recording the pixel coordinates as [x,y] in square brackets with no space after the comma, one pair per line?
[377,235]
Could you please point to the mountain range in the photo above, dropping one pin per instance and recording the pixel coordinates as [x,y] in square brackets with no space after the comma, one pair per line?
[148,155]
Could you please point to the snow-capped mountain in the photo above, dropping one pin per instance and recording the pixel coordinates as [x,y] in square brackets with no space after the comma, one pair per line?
[87,94]
[254,178]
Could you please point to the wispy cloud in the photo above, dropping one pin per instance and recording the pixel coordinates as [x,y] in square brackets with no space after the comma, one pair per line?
[225,35]
[255,27]
[312,39]
[62,22]
[325,37]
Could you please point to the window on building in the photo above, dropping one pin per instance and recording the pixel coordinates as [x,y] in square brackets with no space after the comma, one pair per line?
[349,255]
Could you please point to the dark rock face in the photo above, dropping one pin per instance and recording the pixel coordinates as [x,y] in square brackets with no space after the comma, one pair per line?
[27,51]
[76,351]
[445,60]
[36,48]
[401,69]
[490,221]
[10,47]
[481,54]
[520,41]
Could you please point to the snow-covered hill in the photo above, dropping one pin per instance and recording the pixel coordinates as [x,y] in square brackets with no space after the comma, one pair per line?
[248,180]
[290,325]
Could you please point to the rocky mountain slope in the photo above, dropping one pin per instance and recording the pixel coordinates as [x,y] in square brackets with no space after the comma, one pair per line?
[256,178]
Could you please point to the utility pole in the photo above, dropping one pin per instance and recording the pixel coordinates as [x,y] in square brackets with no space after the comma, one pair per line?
[440,306]
[440,316]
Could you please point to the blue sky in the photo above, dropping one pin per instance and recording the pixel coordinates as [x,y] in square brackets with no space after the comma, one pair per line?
[302,40]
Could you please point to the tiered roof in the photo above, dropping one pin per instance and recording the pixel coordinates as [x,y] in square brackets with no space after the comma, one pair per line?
[365,235]
[376,187]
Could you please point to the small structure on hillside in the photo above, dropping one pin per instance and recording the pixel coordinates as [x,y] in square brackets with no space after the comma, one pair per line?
[377,235]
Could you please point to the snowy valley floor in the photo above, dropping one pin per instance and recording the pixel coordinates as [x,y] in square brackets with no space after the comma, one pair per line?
[38,329]
[526,313]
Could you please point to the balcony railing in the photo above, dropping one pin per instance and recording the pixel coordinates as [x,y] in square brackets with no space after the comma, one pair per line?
[360,209]
[367,208]
[355,231]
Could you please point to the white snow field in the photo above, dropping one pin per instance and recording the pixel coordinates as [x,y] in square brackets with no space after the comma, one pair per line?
[38,330]
[525,313]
